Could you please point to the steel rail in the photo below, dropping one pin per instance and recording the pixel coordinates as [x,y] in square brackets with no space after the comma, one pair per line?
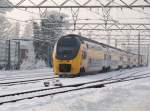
[25,81]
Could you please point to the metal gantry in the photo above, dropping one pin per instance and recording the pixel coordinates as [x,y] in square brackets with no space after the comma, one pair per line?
[110,26]
[75,5]
[79,4]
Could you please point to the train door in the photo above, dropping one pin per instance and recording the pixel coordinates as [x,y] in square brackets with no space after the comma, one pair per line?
[84,58]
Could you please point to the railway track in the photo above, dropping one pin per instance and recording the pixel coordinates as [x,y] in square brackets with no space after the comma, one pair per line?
[26,81]
[25,72]
[8,98]
[24,76]
[21,80]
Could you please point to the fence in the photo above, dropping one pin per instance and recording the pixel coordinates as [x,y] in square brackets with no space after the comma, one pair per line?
[9,54]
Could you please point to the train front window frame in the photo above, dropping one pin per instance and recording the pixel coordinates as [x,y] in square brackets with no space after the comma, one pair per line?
[67,42]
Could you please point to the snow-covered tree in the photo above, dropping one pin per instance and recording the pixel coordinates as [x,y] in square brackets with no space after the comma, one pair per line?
[46,36]
[5,3]
[54,20]
[4,27]
[28,32]
[4,23]
[14,31]
[30,62]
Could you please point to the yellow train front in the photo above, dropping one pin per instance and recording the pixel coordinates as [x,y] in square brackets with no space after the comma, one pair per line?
[67,56]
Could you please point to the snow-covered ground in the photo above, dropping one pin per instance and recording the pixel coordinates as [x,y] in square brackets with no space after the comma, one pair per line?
[128,96]
[65,81]
[23,72]
[9,76]
[125,96]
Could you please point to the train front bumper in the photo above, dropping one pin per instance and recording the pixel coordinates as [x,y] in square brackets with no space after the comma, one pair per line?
[66,67]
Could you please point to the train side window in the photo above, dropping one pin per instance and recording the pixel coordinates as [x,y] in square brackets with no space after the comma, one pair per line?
[87,45]
[121,58]
[84,55]
[105,56]
[82,41]
[128,59]
[110,57]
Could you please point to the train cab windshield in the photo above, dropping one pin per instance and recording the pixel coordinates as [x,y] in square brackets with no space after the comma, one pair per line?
[67,47]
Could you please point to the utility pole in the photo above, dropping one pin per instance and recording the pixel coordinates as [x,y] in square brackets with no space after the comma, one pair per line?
[148,54]
[9,57]
[139,49]
[49,55]
[116,43]
[19,58]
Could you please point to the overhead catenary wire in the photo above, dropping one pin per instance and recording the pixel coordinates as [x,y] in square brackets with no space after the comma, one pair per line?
[18,20]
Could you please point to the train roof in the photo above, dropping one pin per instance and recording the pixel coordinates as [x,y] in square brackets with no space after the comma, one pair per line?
[99,43]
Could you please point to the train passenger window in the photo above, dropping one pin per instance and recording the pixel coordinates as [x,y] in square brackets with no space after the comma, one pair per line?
[109,57]
[105,56]
[81,41]
[128,59]
[87,45]
[121,58]
[84,55]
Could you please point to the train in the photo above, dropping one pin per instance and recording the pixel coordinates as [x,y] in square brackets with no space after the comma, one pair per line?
[74,54]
